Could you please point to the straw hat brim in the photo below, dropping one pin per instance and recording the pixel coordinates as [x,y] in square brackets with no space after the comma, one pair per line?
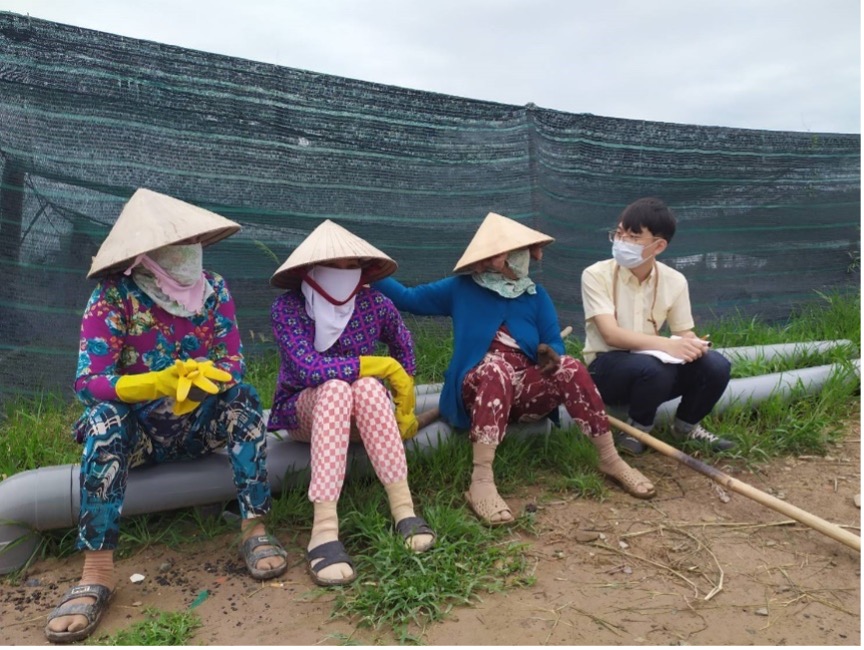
[496,235]
[149,221]
[330,242]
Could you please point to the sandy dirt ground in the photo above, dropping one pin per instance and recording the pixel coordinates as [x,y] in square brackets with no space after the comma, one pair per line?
[694,566]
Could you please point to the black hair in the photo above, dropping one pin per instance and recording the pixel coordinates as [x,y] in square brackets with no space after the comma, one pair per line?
[651,214]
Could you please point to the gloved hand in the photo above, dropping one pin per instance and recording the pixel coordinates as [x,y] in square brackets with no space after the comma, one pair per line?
[194,373]
[402,387]
[194,385]
[547,359]
[407,423]
[184,407]
[147,386]
[175,381]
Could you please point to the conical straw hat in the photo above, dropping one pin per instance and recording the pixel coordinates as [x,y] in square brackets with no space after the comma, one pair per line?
[150,220]
[498,234]
[327,243]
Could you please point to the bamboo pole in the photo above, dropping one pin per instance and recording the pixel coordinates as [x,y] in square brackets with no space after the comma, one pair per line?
[802,516]
[428,417]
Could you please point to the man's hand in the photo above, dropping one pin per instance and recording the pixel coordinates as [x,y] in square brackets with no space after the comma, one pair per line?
[547,359]
[686,348]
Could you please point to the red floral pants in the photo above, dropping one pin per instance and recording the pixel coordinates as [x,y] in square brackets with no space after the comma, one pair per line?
[506,387]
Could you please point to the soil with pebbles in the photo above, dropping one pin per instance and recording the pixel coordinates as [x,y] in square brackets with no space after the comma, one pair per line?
[616,572]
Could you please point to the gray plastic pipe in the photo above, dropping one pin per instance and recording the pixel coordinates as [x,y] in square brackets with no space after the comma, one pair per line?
[783,350]
[48,498]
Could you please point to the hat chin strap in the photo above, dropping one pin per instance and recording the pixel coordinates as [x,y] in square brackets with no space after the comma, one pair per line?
[307,278]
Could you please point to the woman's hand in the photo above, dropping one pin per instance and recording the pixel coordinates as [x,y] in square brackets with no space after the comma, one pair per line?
[547,359]
[497,264]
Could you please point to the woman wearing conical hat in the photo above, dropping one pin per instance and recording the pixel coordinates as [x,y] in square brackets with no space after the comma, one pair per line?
[508,361]
[160,372]
[329,391]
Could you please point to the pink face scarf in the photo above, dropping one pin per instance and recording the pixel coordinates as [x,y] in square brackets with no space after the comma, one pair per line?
[173,277]
[330,300]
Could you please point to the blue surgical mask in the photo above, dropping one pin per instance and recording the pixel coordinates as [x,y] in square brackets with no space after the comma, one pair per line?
[627,255]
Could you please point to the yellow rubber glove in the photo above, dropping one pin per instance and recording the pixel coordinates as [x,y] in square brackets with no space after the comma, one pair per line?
[193,373]
[196,375]
[402,387]
[408,425]
[147,386]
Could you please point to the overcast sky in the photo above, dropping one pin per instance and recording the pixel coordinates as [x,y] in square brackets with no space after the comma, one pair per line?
[791,65]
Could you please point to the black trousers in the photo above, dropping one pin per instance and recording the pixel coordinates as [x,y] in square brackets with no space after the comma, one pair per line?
[642,383]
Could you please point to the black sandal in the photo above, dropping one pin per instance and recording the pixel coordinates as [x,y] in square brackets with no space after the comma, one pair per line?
[329,553]
[91,611]
[252,557]
[411,526]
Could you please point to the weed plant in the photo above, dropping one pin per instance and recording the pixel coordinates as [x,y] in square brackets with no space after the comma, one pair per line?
[401,591]
[159,628]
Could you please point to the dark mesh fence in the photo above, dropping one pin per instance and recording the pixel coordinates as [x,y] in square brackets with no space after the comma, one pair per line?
[766,218]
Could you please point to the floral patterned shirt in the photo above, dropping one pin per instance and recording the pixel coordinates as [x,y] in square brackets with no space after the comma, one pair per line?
[124,332]
[374,320]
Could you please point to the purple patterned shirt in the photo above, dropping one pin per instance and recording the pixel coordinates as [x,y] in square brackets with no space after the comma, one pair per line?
[375,320]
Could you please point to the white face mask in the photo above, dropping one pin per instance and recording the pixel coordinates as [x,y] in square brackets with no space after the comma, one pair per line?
[628,255]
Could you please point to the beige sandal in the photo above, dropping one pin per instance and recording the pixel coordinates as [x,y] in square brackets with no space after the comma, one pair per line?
[488,507]
[630,480]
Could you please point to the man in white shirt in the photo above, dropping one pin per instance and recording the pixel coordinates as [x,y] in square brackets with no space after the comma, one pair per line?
[627,300]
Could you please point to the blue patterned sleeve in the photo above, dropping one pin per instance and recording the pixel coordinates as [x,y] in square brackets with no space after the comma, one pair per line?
[103,328]
[227,350]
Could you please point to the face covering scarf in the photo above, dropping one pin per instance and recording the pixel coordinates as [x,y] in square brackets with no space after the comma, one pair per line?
[173,277]
[330,319]
[518,261]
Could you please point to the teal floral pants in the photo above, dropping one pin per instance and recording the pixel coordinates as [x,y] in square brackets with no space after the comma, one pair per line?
[118,436]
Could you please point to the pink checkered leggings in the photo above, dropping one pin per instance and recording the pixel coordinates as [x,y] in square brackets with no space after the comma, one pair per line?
[506,387]
[336,412]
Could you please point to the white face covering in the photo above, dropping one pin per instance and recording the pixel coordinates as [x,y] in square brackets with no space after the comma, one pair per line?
[330,320]
[628,255]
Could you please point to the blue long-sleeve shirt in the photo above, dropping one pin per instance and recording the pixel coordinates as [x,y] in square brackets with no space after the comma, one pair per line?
[477,314]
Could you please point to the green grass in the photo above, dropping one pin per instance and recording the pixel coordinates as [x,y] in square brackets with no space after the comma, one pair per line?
[36,433]
[399,591]
[159,628]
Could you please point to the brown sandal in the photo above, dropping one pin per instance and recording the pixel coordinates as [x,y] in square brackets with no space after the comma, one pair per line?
[488,507]
[630,480]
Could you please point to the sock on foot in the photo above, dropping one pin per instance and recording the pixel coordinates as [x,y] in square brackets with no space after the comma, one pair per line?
[98,570]
[253,527]
[325,528]
[610,461]
[482,478]
[402,506]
